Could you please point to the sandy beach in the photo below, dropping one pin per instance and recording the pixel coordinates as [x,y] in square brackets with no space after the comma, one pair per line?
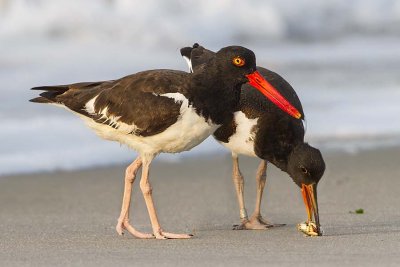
[57,209]
[68,218]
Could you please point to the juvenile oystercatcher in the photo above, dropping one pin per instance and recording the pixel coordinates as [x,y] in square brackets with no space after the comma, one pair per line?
[260,129]
[161,111]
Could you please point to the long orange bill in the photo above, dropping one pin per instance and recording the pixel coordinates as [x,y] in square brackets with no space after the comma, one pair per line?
[309,193]
[257,81]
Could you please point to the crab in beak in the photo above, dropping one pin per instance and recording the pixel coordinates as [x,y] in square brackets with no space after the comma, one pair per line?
[312,226]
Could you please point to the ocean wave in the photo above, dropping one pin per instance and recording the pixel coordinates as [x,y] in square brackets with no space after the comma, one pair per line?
[46,142]
[49,143]
[175,22]
[350,88]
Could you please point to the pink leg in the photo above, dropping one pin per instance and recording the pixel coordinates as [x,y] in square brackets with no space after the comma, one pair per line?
[146,188]
[238,181]
[256,221]
[123,220]
[261,178]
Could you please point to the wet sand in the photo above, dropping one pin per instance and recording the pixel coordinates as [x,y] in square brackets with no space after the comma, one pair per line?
[68,218]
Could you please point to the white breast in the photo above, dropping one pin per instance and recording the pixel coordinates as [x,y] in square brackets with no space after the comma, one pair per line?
[188,131]
[242,141]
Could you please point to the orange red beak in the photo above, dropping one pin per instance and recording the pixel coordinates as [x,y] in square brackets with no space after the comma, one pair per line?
[258,81]
[309,193]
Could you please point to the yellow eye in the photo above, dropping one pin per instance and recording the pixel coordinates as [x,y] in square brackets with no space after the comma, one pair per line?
[238,61]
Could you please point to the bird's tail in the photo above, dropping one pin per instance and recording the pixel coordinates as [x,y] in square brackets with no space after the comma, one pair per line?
[50,93]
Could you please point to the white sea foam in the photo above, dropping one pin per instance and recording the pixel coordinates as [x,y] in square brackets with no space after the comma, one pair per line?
[346,73]
[175,22]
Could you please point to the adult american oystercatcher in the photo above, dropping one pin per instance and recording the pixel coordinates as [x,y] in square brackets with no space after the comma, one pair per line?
[260,129]
[161,111]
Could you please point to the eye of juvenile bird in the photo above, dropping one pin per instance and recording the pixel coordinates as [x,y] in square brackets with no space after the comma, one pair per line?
[238,61]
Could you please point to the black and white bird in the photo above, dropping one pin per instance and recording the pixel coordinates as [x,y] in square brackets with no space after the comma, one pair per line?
[259,129]
[161,111]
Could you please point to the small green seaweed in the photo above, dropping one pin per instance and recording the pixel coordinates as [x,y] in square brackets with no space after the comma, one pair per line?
[357,211]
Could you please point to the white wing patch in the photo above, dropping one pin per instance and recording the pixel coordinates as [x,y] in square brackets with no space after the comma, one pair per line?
[189,63]
[242,141]
[109,119]
[178,97]
[89,106]
[189,130]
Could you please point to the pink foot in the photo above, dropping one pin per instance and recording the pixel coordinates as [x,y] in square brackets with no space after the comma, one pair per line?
[256,222]
[165,235]
[121,225]
[269,224]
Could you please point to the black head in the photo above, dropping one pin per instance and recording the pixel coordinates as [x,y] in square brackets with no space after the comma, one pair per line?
[187,51]
[197,56]
[305,165]
[239,65]
[237,61]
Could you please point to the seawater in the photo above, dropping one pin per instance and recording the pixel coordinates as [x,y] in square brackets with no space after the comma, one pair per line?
[342,59]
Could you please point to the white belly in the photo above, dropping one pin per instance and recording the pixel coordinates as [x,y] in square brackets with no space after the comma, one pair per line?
[242,141]
[187,132]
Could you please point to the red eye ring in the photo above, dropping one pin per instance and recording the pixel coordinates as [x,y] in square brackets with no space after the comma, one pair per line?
[238,61]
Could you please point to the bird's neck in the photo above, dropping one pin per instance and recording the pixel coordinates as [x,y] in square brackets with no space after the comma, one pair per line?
[285,162]
[281,163]
[215,97]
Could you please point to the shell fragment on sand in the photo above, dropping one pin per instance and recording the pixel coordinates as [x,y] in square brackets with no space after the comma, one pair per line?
[309,229]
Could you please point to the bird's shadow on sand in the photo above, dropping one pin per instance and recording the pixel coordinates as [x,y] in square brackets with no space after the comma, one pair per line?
[347,230]
[328,231]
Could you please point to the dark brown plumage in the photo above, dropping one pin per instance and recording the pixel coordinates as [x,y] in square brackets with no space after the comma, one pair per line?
[158,111]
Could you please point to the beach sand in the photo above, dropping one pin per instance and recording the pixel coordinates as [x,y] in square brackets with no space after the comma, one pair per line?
[69,218]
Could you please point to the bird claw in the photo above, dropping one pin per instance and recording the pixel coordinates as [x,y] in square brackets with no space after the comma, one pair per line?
[125,225]
[255,223]
[249,226]
[166,235]
[269,224]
